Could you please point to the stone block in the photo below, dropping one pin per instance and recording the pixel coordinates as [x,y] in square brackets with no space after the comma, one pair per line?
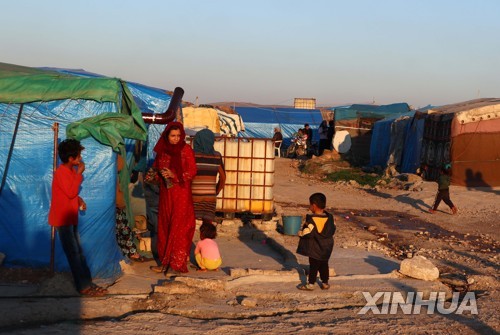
[419,267]
[174,288]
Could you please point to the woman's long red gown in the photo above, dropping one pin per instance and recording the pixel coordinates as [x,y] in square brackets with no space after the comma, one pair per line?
[176,219]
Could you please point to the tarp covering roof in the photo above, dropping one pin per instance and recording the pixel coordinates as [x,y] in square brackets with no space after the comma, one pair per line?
[369,111]
[23,84]
[197,118]
[261,121]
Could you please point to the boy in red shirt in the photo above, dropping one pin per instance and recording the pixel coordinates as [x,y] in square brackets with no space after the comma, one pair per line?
[63,214]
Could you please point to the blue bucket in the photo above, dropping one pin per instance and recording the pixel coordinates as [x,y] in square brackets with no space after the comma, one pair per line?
[291,224]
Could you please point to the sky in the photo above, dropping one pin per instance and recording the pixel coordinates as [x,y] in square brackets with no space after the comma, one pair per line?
[269,51]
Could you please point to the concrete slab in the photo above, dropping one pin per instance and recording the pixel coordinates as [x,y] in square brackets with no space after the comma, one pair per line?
[247,253]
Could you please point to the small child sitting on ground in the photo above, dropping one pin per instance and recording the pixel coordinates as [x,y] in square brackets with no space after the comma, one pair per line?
[316,241]
[207,252]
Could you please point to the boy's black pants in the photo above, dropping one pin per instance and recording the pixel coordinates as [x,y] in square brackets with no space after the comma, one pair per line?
[316,265]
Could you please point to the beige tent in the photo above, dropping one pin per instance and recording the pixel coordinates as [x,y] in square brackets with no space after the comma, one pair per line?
[475,140]
[197,118]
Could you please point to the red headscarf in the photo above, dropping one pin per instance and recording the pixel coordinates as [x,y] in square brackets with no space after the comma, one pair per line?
[173,150]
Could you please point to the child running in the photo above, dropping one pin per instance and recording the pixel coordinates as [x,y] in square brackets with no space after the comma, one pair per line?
[207,252]
[316,241]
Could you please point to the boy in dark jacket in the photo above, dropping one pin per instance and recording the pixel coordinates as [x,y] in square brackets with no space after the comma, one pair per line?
[316,241]
[443,192]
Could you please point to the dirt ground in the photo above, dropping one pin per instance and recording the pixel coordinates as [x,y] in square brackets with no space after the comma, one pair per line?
[393,219]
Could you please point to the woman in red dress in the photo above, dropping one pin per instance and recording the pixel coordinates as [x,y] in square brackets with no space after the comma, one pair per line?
[175,168]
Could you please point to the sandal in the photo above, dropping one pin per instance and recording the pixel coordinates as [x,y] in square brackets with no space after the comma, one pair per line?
[325,286]
[94,291]
[306,287]
[138,258]
[157,269]
[99,289]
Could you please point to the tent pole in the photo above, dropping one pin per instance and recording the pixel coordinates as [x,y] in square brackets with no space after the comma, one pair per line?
[11,149]
[55,128]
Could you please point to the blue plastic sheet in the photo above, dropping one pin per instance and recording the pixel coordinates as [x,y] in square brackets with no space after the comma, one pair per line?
[388,138]
[26,195]
[413,146]
[369,111]
[260,122]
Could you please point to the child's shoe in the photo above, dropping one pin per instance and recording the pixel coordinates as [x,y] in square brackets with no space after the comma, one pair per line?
[454,210]
[431,211]
[325,286]
[306,287]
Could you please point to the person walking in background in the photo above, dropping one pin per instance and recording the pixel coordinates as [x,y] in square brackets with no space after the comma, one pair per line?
[331,133]
[316,241]
[207,252]
[210,177]
[63,214]
[173,170]
[443,192]
[323,137]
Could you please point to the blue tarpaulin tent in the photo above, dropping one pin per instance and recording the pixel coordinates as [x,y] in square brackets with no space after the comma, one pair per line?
[358,120]
[388,140]
[413,144]
[261,121]
[26,161]
[369,111]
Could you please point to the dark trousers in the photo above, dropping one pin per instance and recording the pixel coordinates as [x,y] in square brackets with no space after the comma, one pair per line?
[445,196]
[70,240]
[323,145]
[316,265]
[151,197]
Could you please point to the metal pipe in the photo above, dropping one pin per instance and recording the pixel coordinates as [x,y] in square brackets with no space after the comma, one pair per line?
[169,114]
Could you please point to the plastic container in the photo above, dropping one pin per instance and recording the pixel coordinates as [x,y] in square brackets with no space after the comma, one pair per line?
[249,164]
[291,224]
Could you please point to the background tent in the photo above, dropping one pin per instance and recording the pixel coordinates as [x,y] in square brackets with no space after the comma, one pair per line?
[230,124]
[388,140]
[413,143]
[101,111]
[261,121]
[358,120]
[467,134]
[197,118]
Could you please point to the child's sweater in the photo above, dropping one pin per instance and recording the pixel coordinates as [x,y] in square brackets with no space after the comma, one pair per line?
[316,236]
[443,182]
[208,249]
